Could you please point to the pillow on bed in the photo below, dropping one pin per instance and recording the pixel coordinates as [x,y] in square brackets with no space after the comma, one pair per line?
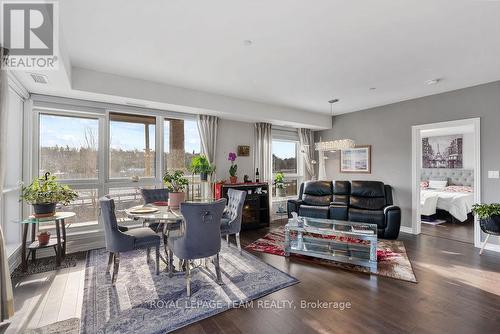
[459,189]
[437,184]
[424,184]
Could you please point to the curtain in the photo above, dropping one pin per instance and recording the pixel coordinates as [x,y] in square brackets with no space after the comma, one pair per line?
[306,141]
[263,150]
[207,127]
[6,295]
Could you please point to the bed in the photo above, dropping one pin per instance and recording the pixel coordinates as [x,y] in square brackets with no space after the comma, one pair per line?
[456,198]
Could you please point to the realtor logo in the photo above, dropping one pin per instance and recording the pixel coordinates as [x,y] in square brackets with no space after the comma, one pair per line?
[29,32]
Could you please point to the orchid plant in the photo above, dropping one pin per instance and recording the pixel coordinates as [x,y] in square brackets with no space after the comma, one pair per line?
[234,167]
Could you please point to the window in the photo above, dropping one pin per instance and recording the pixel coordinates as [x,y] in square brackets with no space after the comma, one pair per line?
[132,145]
[181,143]
[68,147]
[285,160]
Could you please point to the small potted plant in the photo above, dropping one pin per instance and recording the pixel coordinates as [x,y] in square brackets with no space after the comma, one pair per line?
[44,193]
[279,183]
[488,216]
[176,184]
[200,165]
[43,238]
[233,178]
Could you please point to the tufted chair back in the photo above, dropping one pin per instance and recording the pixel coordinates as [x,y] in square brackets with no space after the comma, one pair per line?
[235,207]
[154,195]
[116,241]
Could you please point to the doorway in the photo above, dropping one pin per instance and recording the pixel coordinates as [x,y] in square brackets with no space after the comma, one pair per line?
[446,179]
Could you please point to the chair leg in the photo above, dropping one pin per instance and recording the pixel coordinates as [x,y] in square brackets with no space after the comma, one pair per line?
[484,244]
[217,270]
[227,239]
[148,252]
[115,267]
[157,259]
[188,278]
[238,241]
[110,261]
[170,255]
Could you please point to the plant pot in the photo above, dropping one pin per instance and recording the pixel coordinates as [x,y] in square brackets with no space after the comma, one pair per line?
[43,238]
[175,199]
[280,192]
[203,176]
[44,210]
[490,225]
[233,179]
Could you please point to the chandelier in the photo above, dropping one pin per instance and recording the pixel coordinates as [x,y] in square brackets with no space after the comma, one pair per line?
[334,145]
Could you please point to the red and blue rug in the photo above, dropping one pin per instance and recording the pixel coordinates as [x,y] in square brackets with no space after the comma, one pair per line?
[392,259]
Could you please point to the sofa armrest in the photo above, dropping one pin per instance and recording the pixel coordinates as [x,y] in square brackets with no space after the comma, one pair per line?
[393,221]
[293,205]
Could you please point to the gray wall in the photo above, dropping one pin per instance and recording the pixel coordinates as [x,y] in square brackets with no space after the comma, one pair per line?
[388,130]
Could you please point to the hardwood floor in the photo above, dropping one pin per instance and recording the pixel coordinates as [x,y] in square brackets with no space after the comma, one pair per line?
[458,292]
[463,232]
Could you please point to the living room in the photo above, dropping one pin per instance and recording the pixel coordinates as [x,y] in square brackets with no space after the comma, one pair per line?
[249,167]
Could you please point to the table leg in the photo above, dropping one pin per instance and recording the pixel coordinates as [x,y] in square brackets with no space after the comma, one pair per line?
[63,225]
[287,242]
[24,260]
[33,233]
[59,249]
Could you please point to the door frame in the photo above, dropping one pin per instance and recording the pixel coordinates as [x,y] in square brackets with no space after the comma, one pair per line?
[416,164]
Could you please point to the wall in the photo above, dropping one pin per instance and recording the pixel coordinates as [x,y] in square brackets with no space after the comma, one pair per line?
[388,130]
[231,134]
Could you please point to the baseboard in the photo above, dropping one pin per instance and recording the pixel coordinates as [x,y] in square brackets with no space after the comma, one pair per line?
[406,229]
[15,259]
[492,247]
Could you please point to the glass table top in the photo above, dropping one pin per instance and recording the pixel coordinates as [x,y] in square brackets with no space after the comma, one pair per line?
[330,226]
[58,216]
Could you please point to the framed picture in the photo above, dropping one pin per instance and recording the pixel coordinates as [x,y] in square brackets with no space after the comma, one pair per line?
[442,151]
[356,160]
[243,150]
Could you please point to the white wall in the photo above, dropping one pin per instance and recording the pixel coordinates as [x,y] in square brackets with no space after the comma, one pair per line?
[231,134]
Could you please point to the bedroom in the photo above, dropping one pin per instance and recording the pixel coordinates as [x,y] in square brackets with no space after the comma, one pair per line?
[446,175]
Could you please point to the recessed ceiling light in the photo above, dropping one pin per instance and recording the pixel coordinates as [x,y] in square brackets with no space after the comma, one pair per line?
[433,81]
[333,101]
[247,42]
[373,88]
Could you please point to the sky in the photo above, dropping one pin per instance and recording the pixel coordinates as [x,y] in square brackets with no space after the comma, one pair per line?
[70,131]
[284,149]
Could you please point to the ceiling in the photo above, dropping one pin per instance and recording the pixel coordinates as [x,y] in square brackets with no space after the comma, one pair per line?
[303,53]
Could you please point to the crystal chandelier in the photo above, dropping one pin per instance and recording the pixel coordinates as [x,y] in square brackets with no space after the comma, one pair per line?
[334,145]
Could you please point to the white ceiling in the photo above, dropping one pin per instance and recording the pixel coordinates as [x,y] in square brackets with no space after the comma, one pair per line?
[303,53]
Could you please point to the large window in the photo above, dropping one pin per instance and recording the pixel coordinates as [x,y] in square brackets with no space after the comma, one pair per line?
[132,145]
[68,147]
[181,142]
[285,160]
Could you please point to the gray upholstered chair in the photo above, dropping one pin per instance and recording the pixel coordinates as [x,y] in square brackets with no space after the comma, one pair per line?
[201,238]
[118,242]
[154,195]
[231,220]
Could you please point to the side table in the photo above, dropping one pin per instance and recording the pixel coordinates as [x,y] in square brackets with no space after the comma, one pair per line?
[59,243]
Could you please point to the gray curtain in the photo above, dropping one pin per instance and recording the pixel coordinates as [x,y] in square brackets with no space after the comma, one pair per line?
[6,296]
[263,150]
[207,127]
[306,141]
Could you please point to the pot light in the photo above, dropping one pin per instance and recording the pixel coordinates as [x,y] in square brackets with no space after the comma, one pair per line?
[433,81]
[247,42]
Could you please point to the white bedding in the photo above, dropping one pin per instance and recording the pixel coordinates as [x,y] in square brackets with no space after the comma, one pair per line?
[458,204]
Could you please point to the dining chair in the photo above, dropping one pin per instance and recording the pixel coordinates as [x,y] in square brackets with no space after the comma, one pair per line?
[154,195]
[119,242]
[231,219]
[489,227]
[201,238]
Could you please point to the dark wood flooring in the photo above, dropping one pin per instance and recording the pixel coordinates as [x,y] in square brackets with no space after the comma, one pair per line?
[458,292]
[463,232]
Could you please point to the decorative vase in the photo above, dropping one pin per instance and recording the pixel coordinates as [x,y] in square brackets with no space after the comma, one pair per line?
[44,210]
[280,192]
[43,238]
[233,179]
[203,176]
[175,199]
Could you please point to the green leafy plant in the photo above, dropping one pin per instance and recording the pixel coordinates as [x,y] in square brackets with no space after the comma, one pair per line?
[486,211]
[200,165]
[46,189]
[279,181]
[175,181]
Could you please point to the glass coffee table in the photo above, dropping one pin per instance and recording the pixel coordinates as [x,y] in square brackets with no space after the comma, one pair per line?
[335,240]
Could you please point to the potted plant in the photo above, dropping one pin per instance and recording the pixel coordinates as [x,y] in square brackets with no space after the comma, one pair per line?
[233,169]
[44,193]
[176,184]
[200,165]
[43,238]
[488,216]
[279,183]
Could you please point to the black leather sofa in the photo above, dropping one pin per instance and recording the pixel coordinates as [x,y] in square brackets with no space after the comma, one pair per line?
[358,201]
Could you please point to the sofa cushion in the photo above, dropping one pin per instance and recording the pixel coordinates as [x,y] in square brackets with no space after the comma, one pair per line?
[367,189]
[341,187]
[317,200]
[368,216]
[317,193]
[367,203]
[313,211]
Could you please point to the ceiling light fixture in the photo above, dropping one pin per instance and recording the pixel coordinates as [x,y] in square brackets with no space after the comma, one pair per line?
[373,88]
[247,42]
[334,145]
[433,81]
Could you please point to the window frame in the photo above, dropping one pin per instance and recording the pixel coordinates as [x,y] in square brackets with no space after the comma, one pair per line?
[299,175]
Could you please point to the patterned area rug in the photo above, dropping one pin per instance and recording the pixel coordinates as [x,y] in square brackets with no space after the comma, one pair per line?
[45,264]
[391,256]
[142,302]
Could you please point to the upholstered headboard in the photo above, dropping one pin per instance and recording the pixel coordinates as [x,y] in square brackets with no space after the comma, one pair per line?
[455,177]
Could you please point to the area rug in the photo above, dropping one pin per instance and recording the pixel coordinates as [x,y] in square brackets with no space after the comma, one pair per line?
[391,256]
[46,264]
[142,302]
